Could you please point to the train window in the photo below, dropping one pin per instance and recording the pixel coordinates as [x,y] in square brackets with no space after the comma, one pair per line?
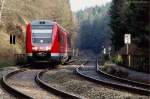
[37,31]
[42,36]
[41,26]
[69,41]
[41,40]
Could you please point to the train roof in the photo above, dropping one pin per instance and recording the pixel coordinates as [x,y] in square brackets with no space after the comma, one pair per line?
[42,22]
[62,28]
[46,22]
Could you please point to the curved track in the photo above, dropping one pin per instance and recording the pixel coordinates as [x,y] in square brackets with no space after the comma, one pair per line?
[27,83]
[135,83]
[10,89]
[21,84]
[92,73]
[52,89]
[57,92]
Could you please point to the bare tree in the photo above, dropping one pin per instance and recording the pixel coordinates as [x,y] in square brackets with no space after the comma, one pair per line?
[1,9]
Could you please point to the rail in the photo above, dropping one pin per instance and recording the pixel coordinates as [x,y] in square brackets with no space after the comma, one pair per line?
[47,87]
[10,89]
[124,87]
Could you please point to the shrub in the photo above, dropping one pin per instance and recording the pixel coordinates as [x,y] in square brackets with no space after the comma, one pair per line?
[109,69]
[114,70]
[117,59]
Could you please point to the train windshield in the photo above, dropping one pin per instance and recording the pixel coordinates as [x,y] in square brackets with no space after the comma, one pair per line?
[41,34]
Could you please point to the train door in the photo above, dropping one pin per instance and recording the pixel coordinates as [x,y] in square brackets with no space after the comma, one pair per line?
[61,39]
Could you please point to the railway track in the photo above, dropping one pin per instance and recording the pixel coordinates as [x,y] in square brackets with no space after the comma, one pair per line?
[142,85]
[23,83]
[49,88]
[11,89]
[92,73]
[52,89]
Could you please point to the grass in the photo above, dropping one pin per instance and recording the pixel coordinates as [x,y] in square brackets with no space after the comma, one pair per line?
[5,64]
[6,61]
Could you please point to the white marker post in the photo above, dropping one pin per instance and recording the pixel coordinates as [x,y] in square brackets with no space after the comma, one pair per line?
[104,51]
[127,41]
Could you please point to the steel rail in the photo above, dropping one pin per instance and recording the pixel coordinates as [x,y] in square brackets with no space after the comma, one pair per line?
[49,88]
[124,87]
[10,89]
[143,85]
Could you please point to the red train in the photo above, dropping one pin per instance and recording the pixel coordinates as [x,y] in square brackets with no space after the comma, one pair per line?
[47,41]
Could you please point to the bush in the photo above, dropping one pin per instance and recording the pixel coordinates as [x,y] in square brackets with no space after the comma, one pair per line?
[117,59]
[109,69]
[114,70]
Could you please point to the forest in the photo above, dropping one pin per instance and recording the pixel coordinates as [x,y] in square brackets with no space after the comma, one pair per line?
[94,32]
[130,16]
[106,25]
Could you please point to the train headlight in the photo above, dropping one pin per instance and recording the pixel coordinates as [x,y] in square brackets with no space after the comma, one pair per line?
[35,48]
[47,48]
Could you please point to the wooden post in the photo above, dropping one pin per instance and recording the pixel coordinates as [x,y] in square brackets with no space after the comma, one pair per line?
[129,60]
[128,55]
[127,49]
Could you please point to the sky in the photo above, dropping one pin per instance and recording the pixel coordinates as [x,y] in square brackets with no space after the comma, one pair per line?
[77,5]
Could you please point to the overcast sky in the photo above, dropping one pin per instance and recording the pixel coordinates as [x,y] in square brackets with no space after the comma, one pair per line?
[81,4]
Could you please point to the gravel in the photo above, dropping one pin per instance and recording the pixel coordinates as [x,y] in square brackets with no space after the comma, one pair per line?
[64,79]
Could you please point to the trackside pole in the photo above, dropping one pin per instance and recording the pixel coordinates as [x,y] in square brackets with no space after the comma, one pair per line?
[127,41]
[129,60]
[128,55]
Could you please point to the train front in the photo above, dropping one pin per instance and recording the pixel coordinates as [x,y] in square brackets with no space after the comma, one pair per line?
[39,40]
